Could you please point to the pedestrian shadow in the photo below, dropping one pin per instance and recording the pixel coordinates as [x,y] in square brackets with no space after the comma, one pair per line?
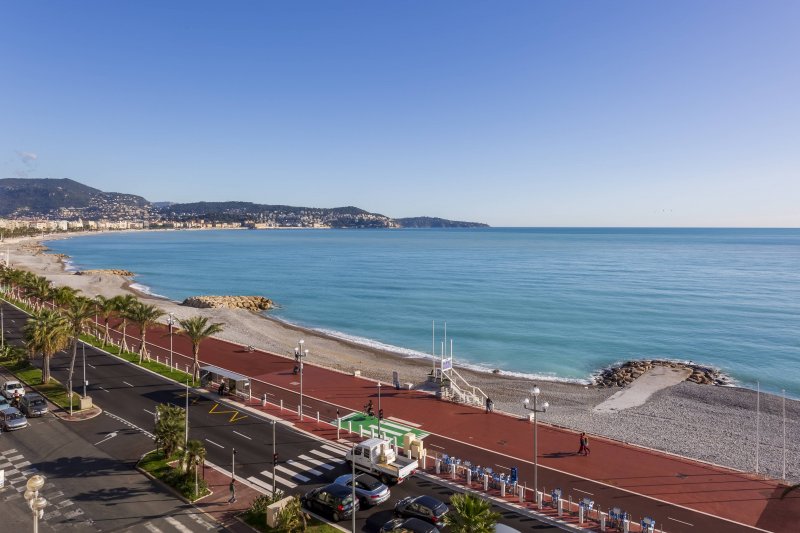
[559,455]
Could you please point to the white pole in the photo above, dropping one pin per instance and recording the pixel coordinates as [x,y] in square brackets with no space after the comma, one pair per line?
[758,420]
[433,346]
[783,394]
[186,435]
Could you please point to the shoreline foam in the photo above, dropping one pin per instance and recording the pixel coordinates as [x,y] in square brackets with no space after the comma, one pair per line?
[709,423]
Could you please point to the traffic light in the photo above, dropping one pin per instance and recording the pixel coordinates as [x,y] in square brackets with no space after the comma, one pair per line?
[380,414]
[275,457]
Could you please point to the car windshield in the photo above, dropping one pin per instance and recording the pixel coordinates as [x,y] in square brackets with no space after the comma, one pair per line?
[14,416]
[37,402]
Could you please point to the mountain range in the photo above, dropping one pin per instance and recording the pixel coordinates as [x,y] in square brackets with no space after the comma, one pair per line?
[70,200]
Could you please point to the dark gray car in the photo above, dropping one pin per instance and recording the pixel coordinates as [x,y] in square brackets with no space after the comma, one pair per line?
[33,404]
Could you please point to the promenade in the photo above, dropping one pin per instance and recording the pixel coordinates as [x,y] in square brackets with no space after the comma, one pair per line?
[641,481]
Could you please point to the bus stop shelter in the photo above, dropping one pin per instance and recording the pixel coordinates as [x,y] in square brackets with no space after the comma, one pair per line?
[213,377]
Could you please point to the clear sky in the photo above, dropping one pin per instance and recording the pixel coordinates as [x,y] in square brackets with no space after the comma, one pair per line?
[513,113]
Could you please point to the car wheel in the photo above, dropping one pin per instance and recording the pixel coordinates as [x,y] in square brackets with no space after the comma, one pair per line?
[336,517]
[385,479]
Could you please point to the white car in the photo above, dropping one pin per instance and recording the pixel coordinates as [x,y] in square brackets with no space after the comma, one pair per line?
[10,387]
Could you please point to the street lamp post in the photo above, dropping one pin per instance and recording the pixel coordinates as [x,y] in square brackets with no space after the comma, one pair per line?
[35,502]
[300,354]
[83,350]
[535,409]
[379,409]
[171,322]
[186,432]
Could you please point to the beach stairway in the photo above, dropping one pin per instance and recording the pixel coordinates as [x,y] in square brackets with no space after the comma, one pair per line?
[458,389]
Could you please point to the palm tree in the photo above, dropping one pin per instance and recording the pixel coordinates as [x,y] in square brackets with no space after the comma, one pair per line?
[46,332]
[170,424]
[144,316]
[197,328]
[292,517]
[64,295]
[79,315]
[193,456]
[122,306]
[105,307]
[40,289]
[470,514]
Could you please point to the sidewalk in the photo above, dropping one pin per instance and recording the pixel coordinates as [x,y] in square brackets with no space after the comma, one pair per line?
[216,505]
[470,433]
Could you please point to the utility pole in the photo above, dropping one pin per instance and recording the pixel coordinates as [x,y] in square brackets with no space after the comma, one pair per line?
[274,457]
[186,436]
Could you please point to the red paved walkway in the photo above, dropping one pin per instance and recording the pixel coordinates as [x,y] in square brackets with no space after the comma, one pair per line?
[472,434]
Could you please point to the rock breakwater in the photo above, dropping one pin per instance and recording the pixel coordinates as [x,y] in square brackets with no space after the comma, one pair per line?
[627,372]
[250,303]
[113,271]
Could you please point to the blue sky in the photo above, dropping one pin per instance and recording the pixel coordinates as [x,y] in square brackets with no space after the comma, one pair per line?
[625,113]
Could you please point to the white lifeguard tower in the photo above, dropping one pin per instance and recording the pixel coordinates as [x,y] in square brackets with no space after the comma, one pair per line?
[452,385]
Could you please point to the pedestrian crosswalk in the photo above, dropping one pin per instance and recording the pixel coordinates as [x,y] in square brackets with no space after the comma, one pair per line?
[187,522]
[315,466]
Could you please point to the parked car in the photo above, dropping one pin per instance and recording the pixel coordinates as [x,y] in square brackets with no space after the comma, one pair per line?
[369,490]
[409,525]
[425,508]
[10,387]
[334,501]
[4,403]
[33,404]
[11,419]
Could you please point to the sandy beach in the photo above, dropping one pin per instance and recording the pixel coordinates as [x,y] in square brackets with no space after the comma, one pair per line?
[705,422]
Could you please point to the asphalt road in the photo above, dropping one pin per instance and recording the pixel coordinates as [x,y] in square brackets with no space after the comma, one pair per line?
[129,396]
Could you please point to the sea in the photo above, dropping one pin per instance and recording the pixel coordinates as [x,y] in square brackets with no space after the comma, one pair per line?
[550,303]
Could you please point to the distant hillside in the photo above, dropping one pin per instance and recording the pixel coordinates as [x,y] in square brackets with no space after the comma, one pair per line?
[67,199]
[64,198]
[433,222]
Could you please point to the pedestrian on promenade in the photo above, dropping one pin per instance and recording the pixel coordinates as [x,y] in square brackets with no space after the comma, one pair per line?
[489,405]
[584,448]
[232,488]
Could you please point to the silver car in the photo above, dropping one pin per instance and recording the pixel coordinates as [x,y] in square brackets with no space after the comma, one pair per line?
[11,419]
[33,404]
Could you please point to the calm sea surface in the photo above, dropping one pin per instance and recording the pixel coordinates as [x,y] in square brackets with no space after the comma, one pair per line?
[555,303]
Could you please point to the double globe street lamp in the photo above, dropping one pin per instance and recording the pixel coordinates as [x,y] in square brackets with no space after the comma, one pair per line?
[299,354]
[35,502]
[535,409]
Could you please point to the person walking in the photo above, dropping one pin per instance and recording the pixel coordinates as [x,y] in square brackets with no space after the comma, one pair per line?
[488,404]
[232,488]
[584,442]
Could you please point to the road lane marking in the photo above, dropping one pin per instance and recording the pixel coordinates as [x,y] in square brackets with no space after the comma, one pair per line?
[92,366]
[102,388]
[236,414]
[245,436]
[279,479]
[129,424]
[315,462]
[293,474]
[151,527]
[128,384]
[681,521]
[332,449]
[323,454]
[177,525]
[151,412]
[583,491]
[109,436]
[215,444]
[256,481]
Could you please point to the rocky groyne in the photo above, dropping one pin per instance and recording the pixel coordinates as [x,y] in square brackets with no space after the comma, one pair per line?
[112,271]
[250,303]
[627,372]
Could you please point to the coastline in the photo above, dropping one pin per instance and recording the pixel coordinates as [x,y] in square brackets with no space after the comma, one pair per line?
[709,423]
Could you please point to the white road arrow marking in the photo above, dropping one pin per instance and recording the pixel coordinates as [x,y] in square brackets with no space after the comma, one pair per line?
[109,436]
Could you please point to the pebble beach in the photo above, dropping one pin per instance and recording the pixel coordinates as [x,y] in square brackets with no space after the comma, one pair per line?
[707,422]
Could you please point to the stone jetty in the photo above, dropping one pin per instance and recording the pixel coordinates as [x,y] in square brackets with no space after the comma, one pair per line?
[112,271]
[627,372]
[251,303]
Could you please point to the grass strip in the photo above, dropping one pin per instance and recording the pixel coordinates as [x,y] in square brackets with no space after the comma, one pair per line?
[157,465]
[259,521]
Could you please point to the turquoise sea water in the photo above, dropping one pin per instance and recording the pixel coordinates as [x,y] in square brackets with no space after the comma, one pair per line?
[555,303]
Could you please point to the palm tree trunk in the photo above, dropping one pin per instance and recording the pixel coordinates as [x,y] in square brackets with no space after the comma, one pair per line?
[123,346]
[106,338]
[196,365]
[45,368]
[74,355]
